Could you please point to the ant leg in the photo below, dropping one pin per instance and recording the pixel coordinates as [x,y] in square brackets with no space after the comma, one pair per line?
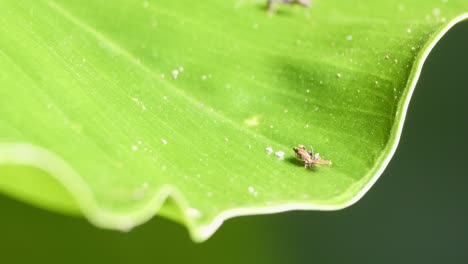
[311,152]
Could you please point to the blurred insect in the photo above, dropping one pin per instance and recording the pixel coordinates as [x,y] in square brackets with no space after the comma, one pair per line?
[310,159]
[272,4]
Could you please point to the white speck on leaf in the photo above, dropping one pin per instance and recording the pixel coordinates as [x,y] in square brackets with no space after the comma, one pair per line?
[192,212]
[349,37]
[279,154]
[175,74]
[338,75]
[164,141]
[269,149]
[252,121]
[134,147]
[136,100]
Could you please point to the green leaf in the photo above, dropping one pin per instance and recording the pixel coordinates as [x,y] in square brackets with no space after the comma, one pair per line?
[121,110]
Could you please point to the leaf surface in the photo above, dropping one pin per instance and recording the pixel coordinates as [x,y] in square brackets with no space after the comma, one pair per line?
[121,110]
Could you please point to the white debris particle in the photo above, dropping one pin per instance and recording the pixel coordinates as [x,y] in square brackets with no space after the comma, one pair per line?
[139,142]
[307,91]
[134,147]
[338,75]
[209,194]
[271,126]
[252,121]
[349,37]
[175,73]
[163,76]
[279,154]
[181,69]
[203,77]
[165,98]
[285,111]
[201,105]
[226,139]
[269,149]
[145,185]
[136,100]
[306,126]
[164,141]
[192,212]
[436,11]
[413,48]
[251,189]
[408,30]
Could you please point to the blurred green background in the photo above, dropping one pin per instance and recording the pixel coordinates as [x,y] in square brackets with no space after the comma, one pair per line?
[416,213]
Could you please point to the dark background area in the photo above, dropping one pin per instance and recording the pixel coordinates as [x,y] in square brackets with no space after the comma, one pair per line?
[417,212]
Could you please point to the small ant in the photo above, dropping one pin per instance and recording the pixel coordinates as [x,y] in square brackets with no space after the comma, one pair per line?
[310,159]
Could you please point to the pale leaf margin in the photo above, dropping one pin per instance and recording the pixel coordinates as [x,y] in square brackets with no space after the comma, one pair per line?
[26,154]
